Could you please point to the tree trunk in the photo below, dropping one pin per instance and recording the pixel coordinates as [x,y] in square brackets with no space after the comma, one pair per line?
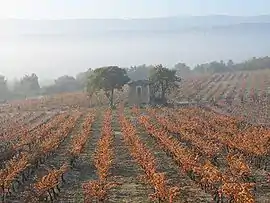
[111,99]
[163,98]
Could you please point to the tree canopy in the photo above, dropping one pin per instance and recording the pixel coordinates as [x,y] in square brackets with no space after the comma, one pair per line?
[63,84]
[28,86]
[182,70]
[163,80]
[140,72]
[82,78]
[107,79]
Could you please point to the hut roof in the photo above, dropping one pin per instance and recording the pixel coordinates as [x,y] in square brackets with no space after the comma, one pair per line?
[139,82]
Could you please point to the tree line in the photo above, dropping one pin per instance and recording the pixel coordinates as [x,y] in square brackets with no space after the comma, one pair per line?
[105,79]
[28,85]
[183,70]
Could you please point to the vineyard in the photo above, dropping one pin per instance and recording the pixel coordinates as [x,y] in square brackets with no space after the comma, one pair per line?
[189,154]
[245,94]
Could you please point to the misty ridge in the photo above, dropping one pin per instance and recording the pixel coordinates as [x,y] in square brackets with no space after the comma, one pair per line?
[52,48]
[168,24]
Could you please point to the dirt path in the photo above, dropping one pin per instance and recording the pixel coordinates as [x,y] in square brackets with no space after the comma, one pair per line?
[59,157]
[262,194]
[84,169]
[126,171]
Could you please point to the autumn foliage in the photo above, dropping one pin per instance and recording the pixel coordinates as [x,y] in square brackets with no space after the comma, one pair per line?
[200,170]
[146,160]
[103,159]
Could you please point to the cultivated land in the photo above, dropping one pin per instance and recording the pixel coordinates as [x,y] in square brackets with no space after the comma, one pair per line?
[133,155]
[245,94]
[58,149]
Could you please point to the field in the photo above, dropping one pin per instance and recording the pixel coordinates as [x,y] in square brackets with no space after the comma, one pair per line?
[132,155]
[245,94]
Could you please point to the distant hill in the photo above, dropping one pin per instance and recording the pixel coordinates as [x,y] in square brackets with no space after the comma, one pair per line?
[170,24]
[52,48]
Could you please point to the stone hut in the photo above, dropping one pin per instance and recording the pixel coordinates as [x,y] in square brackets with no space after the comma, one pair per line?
[139,92]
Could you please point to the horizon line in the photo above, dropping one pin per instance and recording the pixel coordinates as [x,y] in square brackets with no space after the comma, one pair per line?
[142,18]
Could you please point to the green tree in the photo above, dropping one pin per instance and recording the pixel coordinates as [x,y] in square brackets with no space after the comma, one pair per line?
[254,64]
[28,86]
[182,69]
[140,72]
[107,79]
[82,78]
[163,81]
[230,64]
[63,84]
[201,68]
[66,84]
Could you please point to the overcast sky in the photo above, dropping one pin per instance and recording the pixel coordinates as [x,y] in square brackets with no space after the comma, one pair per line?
[58,9]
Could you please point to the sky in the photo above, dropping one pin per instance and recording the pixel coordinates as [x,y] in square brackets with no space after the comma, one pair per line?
[59,9]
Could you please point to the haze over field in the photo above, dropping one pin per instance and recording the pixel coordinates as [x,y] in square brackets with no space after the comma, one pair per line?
[73,42]
[54,48]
